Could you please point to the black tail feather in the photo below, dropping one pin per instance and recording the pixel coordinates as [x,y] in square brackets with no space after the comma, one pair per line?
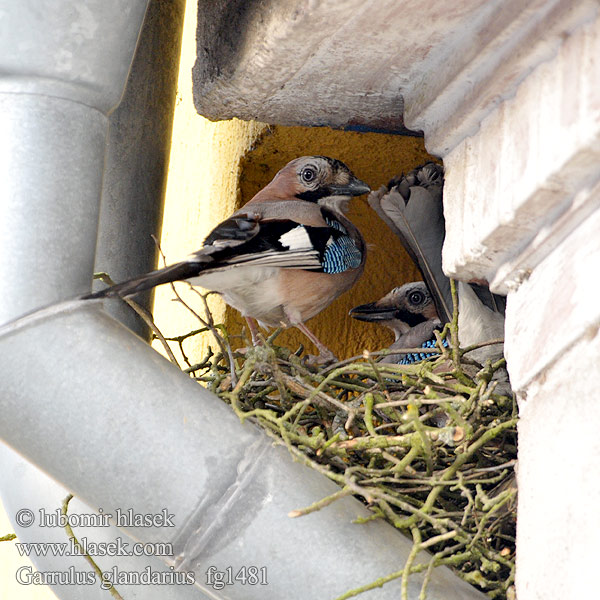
[176,272]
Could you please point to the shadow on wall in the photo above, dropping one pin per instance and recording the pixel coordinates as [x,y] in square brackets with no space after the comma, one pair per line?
[374,158]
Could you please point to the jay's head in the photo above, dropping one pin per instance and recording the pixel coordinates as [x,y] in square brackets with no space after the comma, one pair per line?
[317,179]
[402,308]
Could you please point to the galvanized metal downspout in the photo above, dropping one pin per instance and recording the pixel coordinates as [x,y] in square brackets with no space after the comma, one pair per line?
[96,408]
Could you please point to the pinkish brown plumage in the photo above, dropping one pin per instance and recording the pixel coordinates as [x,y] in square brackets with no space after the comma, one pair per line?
[283,257]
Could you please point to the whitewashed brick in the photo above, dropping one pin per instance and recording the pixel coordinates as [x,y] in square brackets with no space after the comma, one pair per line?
[524,167]
[559,484]
[557,305]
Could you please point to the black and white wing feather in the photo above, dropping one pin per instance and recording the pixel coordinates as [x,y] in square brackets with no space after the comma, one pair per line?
[245,240]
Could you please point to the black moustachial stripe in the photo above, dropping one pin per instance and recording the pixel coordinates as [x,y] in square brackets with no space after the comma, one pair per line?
[409,318]
[315,195]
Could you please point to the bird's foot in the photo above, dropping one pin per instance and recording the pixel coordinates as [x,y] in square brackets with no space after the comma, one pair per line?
[254,333]
[325,356]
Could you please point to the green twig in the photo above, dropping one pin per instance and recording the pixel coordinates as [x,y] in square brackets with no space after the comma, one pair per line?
[80,549]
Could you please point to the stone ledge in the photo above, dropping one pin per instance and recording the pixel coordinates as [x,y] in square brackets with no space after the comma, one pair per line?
[354,63]
[297,63]
[558,478]
[528,171]
[494,55]
[557,306]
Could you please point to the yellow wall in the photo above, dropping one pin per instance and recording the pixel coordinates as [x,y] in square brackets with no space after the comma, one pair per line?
[217,167]
[201,190]
[374,158]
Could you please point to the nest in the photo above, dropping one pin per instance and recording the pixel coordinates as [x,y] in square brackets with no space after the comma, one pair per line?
[429,447]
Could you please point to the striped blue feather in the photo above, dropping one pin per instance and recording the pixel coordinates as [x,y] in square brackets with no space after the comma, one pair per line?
[415,357]
[341,253]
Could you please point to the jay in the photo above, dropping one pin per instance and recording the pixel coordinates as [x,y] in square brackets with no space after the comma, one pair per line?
[283,257]
[411,205]
[409,311]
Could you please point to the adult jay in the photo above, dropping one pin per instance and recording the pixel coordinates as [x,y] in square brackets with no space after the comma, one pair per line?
[283,257]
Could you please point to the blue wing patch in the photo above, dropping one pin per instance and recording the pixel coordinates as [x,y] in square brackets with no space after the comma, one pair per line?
[415,357]
[341,253]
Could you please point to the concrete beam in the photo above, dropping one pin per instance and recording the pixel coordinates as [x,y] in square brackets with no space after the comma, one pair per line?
[523,182]
[363,64]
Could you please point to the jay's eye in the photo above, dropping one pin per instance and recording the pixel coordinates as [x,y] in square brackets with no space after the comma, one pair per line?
[308,174]
[416,298]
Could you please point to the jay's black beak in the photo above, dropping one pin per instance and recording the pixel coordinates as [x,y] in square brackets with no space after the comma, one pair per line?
[355,187]
[373,312]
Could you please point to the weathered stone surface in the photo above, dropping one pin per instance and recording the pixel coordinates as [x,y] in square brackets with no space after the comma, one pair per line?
[517,187]
[357,63]
[296,63]
[557,307]
[559,484]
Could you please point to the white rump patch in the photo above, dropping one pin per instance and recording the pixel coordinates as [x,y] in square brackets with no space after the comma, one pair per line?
[296,239]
